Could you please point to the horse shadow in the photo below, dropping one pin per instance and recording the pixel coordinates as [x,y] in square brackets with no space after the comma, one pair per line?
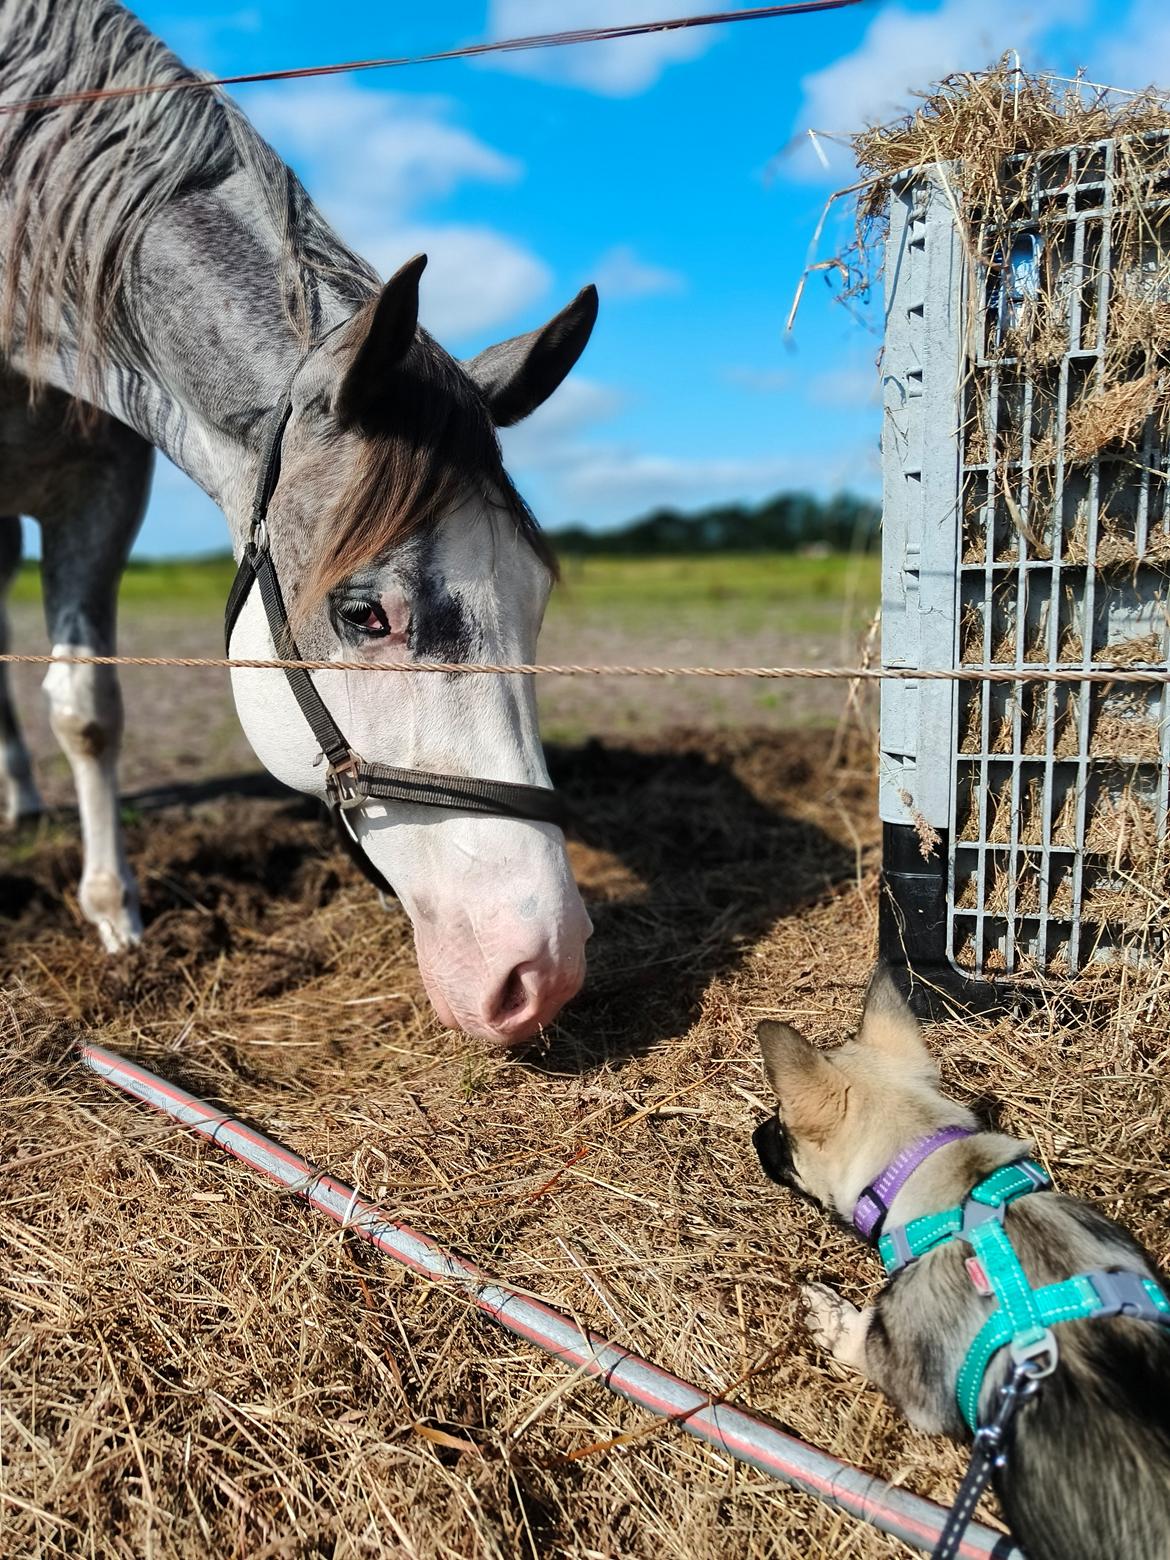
[709,864]
[683,864]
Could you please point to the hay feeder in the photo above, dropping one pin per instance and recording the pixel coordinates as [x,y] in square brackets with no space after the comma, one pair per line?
[1026,462]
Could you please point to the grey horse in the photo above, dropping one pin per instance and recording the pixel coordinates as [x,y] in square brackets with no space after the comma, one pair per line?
[166,282]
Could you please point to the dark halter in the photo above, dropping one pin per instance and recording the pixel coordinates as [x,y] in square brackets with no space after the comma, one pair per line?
[351,780]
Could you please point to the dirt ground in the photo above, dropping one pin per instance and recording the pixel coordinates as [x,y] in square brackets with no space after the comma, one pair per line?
[194,1364]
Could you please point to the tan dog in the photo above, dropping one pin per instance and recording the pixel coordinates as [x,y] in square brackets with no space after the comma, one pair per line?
[1087,1475]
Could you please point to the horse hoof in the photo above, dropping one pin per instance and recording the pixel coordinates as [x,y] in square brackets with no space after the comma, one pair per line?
[112,906]
[119,939]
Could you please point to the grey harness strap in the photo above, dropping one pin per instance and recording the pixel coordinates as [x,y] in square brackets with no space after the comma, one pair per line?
[351,780]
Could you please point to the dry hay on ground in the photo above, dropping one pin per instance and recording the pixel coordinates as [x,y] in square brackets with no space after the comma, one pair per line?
[194,1364]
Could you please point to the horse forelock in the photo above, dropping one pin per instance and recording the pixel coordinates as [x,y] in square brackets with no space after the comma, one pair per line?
[425,447]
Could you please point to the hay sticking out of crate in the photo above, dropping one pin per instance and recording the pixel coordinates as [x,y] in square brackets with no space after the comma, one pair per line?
[1061,904]
[1000,832]
[1116,543]
[1032,813]
[1003,742]
[982,119]
[1123,827]
[1064,825]
[971,633]
[1116,414]
[988,134]
[1067,735]
[1117,736]
[969,815]
[972,737]
[1135,651]
[1124,727]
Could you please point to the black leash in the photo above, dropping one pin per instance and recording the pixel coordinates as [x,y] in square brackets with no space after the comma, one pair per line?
[351,781]
[988,1453]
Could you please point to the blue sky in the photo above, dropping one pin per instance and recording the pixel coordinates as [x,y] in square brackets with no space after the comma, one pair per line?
[673,171]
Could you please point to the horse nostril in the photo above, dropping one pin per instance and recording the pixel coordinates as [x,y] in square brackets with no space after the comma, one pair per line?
[513,996]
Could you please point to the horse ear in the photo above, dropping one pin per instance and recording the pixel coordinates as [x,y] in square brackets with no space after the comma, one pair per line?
[391,324]
[516,376]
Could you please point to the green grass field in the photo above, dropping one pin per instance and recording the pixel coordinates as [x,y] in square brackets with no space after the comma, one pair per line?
[714,609]
[733,592]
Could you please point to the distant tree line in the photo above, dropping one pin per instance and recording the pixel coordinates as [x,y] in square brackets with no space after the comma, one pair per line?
[788,522]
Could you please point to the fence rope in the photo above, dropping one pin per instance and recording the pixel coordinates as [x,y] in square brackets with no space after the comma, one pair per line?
[554,40]
[997,674]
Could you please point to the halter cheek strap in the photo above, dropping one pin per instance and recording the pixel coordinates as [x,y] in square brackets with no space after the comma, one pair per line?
[351,781]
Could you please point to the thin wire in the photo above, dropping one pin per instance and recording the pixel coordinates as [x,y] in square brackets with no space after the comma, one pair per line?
[554,40]
[998,674]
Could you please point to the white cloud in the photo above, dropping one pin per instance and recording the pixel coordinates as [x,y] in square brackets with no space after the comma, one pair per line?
[852,385]
[598,480]
[578,404]
[621,68]
[761,381]
[475,278]
[372,160]
[903,52]
[620,273]
[625,480]
[388,149]
[549,442]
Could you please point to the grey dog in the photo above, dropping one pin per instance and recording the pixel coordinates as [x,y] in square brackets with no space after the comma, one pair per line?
[1087,1472]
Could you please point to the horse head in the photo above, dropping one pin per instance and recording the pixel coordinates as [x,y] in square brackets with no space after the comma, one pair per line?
[397,537]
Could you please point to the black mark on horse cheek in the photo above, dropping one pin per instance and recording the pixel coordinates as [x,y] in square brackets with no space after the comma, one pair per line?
[440,626]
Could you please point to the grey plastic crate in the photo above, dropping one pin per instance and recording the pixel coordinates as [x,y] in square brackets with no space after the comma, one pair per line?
[1007,544]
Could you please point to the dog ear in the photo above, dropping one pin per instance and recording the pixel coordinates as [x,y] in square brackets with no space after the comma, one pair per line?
[810,1089]
[889,1027]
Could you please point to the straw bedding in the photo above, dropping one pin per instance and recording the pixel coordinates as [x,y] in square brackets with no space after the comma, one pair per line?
[193,1364]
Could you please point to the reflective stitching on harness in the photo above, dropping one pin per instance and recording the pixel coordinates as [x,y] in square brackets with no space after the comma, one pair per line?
[1022,1318]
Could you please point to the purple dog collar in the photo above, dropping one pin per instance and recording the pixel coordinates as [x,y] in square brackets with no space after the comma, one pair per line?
[874,1203]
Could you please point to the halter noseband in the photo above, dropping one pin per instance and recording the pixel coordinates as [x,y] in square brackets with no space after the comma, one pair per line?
[351,780]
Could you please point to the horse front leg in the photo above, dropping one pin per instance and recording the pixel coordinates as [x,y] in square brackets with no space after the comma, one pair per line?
[19,797]
[83,558]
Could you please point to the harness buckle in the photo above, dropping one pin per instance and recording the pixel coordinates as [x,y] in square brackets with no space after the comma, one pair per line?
[342,781]
[1123,1292]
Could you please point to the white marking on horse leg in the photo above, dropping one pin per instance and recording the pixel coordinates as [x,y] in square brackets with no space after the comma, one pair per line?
[85,544]
[19,797]
[86,716]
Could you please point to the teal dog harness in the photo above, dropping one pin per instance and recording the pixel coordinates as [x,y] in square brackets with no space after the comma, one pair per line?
[1023,1317]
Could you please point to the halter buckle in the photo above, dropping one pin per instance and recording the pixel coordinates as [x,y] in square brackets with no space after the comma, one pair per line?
[342,780]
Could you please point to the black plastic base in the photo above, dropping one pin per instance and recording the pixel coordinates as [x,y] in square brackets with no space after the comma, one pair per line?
[912,932]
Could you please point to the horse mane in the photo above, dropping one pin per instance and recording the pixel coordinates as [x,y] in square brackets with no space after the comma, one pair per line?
[83,181]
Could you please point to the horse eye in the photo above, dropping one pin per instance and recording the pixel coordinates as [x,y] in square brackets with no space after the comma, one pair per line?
[366,616]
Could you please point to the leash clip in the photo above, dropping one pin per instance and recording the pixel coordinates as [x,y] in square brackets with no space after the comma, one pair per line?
[1022,1384]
